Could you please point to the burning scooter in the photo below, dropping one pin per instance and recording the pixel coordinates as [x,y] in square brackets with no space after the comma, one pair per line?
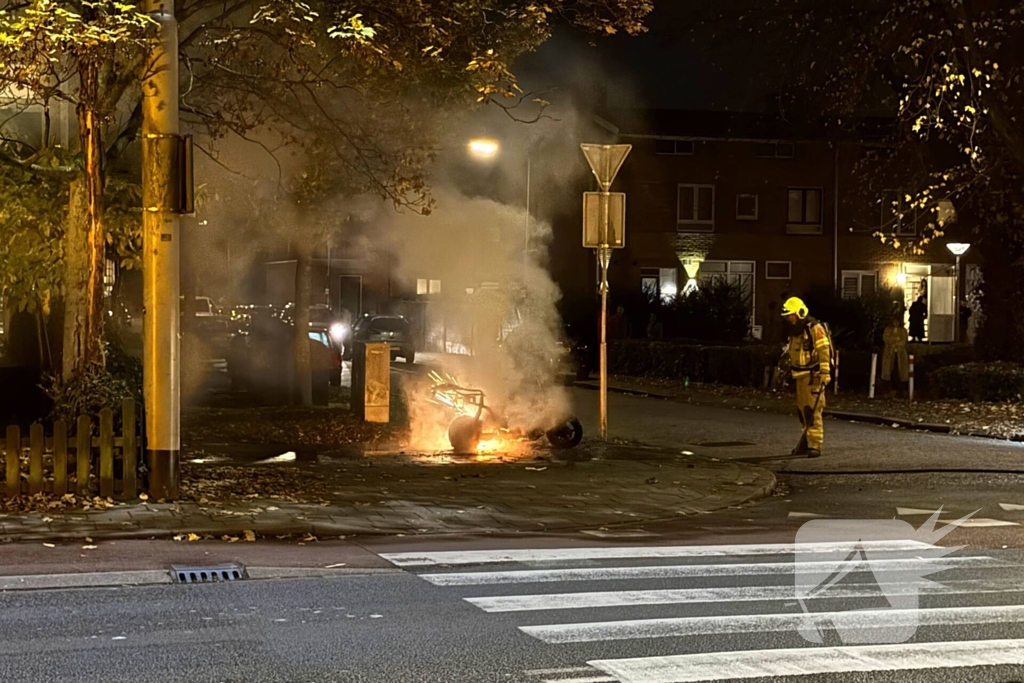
[475,421]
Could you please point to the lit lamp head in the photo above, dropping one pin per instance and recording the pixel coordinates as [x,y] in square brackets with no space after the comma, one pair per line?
[484,148]
[901,279]
[958,248]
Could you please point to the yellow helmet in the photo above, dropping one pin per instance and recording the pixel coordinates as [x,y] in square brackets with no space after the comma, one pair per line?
[794,306]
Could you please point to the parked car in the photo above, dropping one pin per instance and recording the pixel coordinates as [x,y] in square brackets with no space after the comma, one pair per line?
[393,329]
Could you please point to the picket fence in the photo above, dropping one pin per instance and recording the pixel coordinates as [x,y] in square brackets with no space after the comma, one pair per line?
[54,461]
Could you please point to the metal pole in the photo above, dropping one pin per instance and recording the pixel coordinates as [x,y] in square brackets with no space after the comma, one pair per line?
[604,255]
[910,378]
[161,257]
[871,379]
[956,302]
[526,234]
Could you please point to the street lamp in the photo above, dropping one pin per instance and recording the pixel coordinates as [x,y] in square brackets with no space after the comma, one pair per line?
[484,148]
[487,149]
[958,249]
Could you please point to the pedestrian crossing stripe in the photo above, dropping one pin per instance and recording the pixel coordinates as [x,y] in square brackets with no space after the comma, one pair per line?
[704,667]
[682,627]
[682,571]
[637,598]
[471,557]
[893,557]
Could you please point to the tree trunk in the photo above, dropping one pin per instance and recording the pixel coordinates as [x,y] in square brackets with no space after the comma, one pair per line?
[303,360]
[83,298]
[85,251]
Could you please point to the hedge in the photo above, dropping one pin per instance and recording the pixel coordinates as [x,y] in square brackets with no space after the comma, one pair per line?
[980,382]
[743,365]
[732,365]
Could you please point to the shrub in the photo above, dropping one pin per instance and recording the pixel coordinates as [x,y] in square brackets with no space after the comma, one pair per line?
[979,382]
[716,312]
[733,365]
[91,390]
[856,324]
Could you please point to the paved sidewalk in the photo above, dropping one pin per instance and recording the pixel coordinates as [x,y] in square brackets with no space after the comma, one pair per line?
[342,495]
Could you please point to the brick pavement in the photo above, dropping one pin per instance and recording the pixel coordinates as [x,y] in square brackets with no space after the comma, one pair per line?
[614,485]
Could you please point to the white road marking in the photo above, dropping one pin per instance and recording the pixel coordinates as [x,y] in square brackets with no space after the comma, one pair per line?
[683,571]
[904,512]
[560,672]
[600,533]
[589,679]
[454,557]
[563,601]
[766,664]
[682,627]
[804,515]
[982,522]
[1010,507]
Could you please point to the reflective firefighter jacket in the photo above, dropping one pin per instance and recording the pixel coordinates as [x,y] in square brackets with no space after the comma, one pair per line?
[810,352]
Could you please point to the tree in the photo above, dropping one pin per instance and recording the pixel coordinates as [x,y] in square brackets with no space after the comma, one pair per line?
[83,54]
[948,74]
[348,77]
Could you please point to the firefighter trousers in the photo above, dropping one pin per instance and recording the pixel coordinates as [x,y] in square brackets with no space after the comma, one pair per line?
[810,408]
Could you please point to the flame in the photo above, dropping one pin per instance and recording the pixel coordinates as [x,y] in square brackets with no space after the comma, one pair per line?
[493,445]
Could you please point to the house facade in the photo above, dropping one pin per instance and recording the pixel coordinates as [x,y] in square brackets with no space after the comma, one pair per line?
[773,210]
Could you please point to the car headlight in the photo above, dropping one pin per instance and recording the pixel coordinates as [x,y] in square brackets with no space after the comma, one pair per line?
[338,331]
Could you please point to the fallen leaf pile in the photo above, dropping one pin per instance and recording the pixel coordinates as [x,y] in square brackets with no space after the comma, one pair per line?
[288,426]
[205,483]
[48,502]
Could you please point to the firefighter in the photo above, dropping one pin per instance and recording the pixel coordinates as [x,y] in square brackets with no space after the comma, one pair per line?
[810,355]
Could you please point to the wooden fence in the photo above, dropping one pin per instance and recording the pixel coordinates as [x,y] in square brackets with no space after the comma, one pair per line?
[62,463]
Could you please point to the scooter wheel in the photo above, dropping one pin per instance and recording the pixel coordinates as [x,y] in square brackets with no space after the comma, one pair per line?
[464,434]
[566,435]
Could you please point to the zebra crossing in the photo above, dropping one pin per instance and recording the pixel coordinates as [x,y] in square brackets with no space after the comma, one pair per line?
[664,599]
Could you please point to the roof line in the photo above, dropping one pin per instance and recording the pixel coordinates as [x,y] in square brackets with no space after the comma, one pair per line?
[697,138]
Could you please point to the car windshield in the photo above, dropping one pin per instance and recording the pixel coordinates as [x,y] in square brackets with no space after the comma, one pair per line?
[397,325]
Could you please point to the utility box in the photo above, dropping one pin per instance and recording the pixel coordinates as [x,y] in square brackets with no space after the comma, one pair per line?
[371,381]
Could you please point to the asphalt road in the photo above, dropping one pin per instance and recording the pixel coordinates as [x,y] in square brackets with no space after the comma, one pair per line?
[767,438]
[707,598]
[571,613]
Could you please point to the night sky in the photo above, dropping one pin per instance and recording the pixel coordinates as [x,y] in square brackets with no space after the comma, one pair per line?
[662,69]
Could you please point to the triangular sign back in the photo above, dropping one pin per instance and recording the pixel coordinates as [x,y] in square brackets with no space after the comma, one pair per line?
[605,161]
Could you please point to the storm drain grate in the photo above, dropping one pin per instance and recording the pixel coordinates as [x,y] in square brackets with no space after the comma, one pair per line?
[214,574]
[725,444]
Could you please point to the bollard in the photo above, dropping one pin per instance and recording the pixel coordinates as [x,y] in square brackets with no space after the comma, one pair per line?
[835,383]
[910,377]
[871,380]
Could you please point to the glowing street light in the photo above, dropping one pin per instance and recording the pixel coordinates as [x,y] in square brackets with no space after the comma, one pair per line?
[484,148]
[958,249]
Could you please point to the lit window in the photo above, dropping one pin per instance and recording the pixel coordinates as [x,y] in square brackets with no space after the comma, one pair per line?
[434,287]
[109,275]
[421,286]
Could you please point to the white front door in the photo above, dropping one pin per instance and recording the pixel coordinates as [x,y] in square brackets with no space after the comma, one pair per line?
[941,304]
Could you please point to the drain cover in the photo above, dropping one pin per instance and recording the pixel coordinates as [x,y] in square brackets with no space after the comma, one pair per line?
[725,444]
[214,574]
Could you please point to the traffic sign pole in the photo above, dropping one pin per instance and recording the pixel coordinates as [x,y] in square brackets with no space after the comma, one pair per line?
[605,161]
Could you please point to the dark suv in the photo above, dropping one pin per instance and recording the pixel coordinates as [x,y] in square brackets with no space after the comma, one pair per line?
[393,329]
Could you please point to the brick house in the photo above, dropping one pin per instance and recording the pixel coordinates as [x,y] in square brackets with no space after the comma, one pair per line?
[754,200]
